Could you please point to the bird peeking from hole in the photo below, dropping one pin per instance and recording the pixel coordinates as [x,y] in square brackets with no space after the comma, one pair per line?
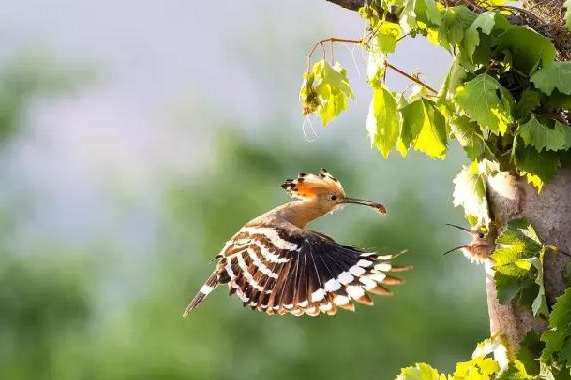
[276,265]
[480,248]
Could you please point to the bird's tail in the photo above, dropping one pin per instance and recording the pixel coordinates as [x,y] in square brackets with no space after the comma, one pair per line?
[208,286]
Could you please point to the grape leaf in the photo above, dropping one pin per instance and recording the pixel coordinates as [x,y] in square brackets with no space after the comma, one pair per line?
[479,99]
[325,90]
[456,75]
[538,168]
[539,304]
[485,23]
[477,369]
[518,265]
[387,35]
[542,137]
[557,337]
[530,349]
[418,13]
[420,371]
[470,193]
[451,30]
[307,94]
[382,122]
[375,62]
[517,40]
[469,135]
[515,371]
[528,101]
[556,75]
[423,127]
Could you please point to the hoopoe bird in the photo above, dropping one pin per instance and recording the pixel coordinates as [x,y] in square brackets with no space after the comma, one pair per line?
[480,248]
[274,264]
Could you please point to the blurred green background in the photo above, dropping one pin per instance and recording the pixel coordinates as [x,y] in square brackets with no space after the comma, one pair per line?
[137,138]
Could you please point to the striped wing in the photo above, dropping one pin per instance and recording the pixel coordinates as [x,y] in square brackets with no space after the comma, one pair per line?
[302,272]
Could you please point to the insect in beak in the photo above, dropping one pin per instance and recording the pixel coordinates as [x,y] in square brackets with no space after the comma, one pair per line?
[374,205]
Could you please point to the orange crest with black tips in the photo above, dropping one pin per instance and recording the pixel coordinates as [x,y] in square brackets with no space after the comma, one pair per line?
[308,185]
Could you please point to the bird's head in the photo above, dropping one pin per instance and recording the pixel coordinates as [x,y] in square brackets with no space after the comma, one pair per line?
[481,246]
[325,191]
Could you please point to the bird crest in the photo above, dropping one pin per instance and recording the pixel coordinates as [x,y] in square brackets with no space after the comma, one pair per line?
[308,185]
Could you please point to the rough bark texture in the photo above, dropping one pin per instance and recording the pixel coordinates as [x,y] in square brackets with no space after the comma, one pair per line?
[550,214]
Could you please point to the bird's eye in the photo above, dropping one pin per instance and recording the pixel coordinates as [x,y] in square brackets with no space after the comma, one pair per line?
[334,197]
[481,235]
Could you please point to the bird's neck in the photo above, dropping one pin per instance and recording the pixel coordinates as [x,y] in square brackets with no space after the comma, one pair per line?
[299,213]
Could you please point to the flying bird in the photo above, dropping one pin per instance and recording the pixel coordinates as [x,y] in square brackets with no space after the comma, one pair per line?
[274,264]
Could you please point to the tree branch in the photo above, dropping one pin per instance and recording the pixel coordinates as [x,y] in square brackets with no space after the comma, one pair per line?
[551,27]
[352,5]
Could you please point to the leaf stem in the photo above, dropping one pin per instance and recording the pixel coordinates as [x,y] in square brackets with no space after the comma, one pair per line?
[411,77]
[331,40]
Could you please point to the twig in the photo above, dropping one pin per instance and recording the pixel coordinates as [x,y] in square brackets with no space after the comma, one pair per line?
[388,65]
[411,77]
[331,40]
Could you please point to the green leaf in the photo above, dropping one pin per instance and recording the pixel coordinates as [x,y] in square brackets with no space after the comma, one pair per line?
[387,35]
[382,122]
[556,75]
[557,337]
[325,90]
[539,304]
[527,103]
[423,127]
[420,371]
[485,23]
[542,137]
[419,14]
[517,40]
[375,62]
[480,100]
[476,369]
[455,77]
[451,30]
[518,263]
[538,168]
[307,94]
[470,193]
[567,16]
[529,352]
[515,371]
[469,135]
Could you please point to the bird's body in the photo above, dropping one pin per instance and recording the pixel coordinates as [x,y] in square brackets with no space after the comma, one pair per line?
[480,248]
[276,265]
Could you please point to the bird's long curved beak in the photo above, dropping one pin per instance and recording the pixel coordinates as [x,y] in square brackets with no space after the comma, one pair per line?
[455,248]
[460,228]
[374,205]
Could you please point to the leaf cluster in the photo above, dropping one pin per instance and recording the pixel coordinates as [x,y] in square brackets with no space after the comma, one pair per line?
[518,266]
[325,90]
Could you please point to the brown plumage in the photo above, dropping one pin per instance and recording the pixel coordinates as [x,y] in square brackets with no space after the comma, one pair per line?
[276,265]
[480,248]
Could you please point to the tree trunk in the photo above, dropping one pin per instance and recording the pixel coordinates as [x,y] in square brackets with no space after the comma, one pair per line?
[550,215]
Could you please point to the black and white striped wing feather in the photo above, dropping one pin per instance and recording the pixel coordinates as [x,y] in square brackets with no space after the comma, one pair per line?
[281,271]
